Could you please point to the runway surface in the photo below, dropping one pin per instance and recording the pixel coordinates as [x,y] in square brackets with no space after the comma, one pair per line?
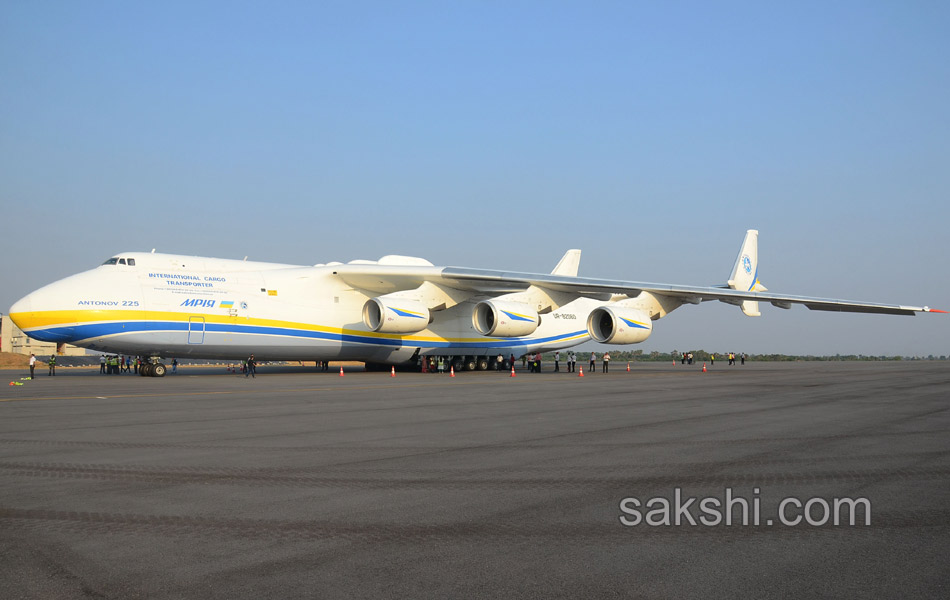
[302,484]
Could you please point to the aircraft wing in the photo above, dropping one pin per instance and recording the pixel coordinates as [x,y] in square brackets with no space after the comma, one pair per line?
[385,279]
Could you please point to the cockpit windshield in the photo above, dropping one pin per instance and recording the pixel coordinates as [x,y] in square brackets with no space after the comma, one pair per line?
[119,261]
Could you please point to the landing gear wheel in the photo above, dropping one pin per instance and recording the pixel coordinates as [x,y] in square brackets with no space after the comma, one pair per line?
[158,370]
[469,364]
[482,364]
[145,370]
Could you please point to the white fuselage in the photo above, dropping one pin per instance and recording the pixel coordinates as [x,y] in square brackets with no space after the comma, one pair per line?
[169,305]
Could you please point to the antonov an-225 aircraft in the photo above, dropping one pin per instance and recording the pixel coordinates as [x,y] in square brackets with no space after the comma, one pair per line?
[390,311]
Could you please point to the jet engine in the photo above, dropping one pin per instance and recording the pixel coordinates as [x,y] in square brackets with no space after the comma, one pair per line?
[395,315]
[618,325]
[504,319]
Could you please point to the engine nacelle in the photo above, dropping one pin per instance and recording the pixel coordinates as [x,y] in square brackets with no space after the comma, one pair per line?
[504,319]
[618,325]
[395,315]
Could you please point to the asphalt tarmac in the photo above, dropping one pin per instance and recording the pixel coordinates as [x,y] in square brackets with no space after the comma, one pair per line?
[297,484]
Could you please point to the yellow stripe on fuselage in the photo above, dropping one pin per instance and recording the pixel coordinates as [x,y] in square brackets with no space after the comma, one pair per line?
[66,318]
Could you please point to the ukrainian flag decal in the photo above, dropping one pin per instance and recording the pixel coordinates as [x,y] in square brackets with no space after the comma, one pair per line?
[227,304]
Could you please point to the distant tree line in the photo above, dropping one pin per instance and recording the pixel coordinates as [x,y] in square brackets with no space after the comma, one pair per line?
[704,355]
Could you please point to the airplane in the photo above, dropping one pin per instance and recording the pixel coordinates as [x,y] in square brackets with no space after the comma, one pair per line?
[387,312]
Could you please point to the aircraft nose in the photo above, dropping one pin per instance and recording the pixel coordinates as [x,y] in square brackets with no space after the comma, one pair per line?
[21,309]
[31,315]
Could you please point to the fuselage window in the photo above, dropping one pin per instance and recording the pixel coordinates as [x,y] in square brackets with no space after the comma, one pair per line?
[121,261]
[111,261]
[131,262]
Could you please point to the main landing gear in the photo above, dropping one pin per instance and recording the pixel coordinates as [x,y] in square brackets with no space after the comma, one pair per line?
[152,367]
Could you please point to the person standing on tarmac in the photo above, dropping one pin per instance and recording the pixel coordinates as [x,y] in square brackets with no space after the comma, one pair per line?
[102,364]
[251,366]
[557,361]
[32,364]
[52,365]
[593,363]
[606,361]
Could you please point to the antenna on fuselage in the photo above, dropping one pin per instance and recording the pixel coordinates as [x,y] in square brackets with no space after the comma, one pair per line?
[153,250]
[245,259]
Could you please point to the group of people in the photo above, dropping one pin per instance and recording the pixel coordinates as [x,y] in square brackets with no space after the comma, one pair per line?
[733,356]
[535,362]
[51,363]
[605,361]
[433,364]
[113,364]
[687,358]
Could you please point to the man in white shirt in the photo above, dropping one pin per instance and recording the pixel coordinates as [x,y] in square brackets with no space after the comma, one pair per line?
[32,364]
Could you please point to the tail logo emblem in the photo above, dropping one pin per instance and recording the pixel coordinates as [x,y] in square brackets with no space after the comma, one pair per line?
[747,263]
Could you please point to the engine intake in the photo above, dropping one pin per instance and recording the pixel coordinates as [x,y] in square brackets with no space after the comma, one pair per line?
[618,325]
[395,315]
[504,319]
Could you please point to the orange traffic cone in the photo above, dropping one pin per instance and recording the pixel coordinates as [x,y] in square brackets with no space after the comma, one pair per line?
[393,372]
[341,371]
[452,371]
[581,372]
[628,367]
[704,367]
[513,372]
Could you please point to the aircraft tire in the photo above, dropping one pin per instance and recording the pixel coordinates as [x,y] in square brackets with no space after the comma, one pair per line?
[158,370]
[482,364]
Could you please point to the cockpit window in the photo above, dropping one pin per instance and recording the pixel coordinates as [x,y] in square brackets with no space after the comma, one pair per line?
[120,261]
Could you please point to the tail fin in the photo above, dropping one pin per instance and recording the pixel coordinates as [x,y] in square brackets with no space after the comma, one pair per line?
[745,273]
[568,264]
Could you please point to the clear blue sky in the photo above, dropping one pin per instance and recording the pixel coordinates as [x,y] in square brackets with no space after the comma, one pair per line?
[498,134]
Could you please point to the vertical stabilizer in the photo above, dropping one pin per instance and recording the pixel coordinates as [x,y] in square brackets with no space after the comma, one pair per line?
[568,264]
[745,273]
